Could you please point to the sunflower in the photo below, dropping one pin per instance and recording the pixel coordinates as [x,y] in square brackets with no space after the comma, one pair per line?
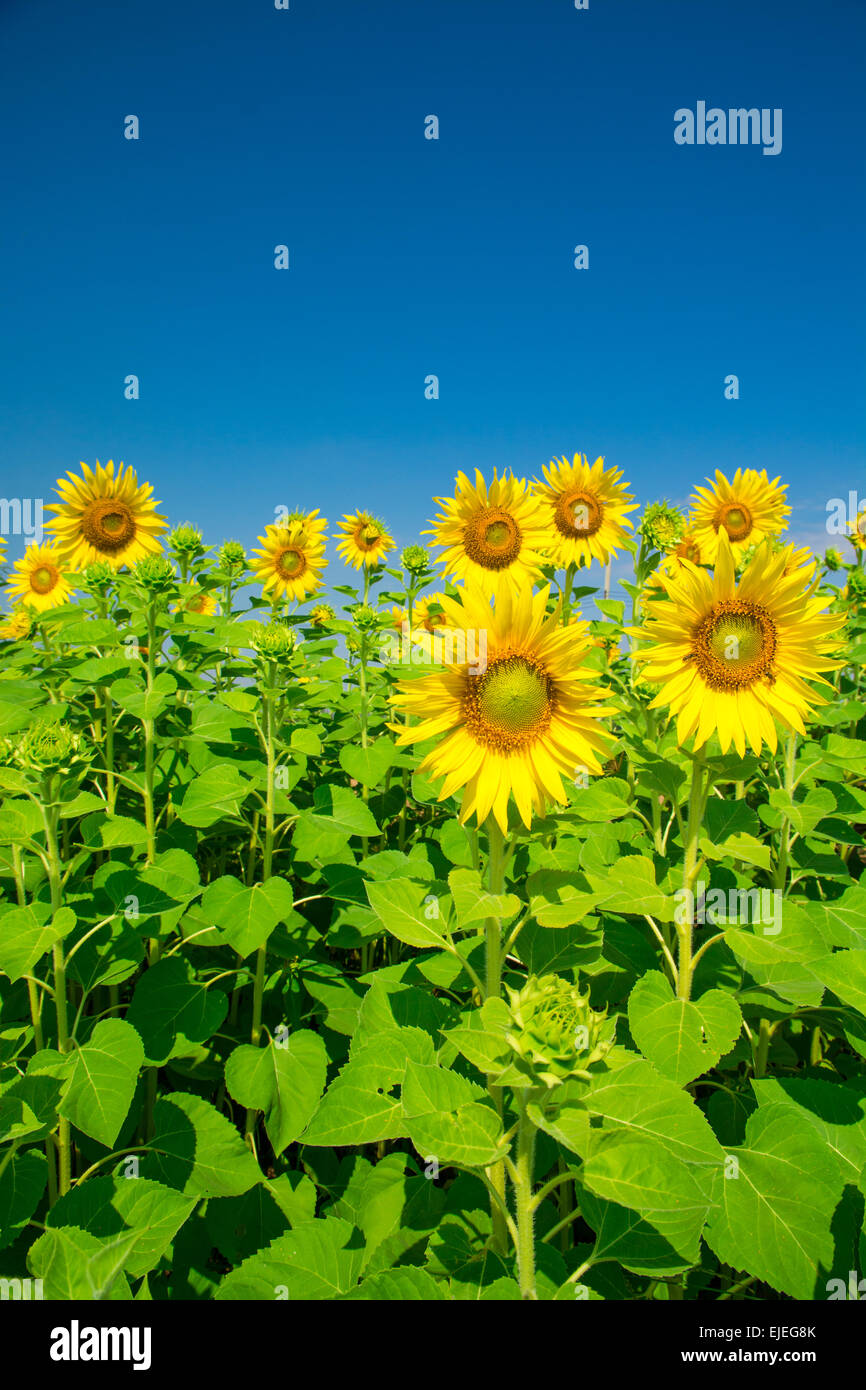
[584,510]
[688,548]
[733,658]
[314,525]
[321,614]
[202,603]
[105,516]
[15,626]
[858,531]
[364,540]
[291,562]
[427,615]
[494,536]
[520,725]
[750,509]
[37,579]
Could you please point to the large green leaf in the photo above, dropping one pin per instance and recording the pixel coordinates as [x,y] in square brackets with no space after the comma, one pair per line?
[247,916]
[197,1150]
[319,1260]
[169,1003]
[682,1038]
[102,1076]
[111,1206]
[284,1081]
[408,912]
[776,1206]
[215,794]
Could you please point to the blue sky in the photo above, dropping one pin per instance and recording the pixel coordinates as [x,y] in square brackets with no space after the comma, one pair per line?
[409,257]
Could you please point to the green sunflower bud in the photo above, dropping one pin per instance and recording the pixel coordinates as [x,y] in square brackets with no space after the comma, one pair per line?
[97,578]
[366,618]
[833,560]
[275,641]
[415,559]
[48,746]
[155,574]
[663,526]
[186,544]
[321,614]
[855,589]
[554,1033]
[232,558]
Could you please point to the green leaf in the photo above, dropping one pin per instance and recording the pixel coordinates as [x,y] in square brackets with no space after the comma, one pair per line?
[75,1265]
[629,1238]
[102,1077]
[107,1207]
[473,904]
[641,1173]
[215,794]
[337,808]
[284,1081]
[845,973]
[631,888]
[408,912]
[369,765]
[169,1002]
[605,799]
[836,1112]
[773,1221]
[27,933]
[471,1136]
[102,831]
[247,916]
[407,1284]
[320,1260]
[22,1183]
[197,1150]
[682,1038]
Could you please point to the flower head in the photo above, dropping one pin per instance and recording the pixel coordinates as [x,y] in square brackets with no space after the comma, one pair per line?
[415,559]
[748,509]
[232,559]
[585,510]
[16,626]
[554,1033]
[363,540]
[514,710]
[291,561]
[662,526]
[105,515]
[493,536]
[732,658]
[38,580]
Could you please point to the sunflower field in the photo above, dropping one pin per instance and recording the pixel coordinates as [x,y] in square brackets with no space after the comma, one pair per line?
[459,933]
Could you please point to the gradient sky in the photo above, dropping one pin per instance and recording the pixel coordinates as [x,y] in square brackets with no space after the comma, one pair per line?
[262,388]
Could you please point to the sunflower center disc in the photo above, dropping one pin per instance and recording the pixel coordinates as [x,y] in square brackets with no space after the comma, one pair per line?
[291,563]
[108,524]
[578,514]
[43,579]
[492,538]
[736,519]
[735,645]
[367,536]
[513,699]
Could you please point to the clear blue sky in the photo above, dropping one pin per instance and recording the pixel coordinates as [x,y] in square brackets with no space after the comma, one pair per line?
[410,257]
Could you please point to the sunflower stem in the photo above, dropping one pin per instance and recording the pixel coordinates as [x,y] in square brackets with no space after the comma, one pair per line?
[685,929]
[780,872]
[269,730]
[493,989]
[55,881]
[523,1200]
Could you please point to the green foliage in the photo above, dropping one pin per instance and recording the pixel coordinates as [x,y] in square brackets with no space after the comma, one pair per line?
[275,1025]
